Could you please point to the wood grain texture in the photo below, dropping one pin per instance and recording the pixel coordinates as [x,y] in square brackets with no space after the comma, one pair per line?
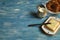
[15,18]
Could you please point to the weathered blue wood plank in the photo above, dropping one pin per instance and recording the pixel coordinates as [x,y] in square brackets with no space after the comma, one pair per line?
[14,18]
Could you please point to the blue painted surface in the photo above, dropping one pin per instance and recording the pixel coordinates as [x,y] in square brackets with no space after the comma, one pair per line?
[15,18]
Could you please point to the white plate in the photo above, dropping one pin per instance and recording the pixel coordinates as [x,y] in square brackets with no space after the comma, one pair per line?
[47,30]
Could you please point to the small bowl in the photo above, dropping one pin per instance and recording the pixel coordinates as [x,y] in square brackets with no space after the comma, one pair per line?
[41,11]
[49,10]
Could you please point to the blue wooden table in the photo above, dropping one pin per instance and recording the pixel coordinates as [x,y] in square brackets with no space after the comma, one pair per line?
[15,16]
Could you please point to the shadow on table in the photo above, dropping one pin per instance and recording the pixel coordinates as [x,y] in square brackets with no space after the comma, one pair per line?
[34,14]
[40,29]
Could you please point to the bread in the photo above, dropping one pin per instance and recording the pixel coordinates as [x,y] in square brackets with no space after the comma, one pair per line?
[54,24]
